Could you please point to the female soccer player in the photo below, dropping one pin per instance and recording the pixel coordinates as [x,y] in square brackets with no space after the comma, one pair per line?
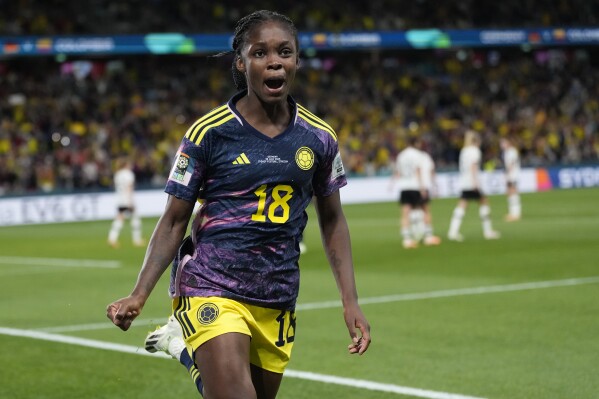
[511,162]
[258,160]
[470,162]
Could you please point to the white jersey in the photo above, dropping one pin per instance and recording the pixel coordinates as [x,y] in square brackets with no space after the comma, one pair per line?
[511,161]
[470,158]
[427,167]
[408,164]
[124,181]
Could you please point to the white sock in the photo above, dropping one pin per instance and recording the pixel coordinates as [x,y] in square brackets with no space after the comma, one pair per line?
[417,223]
[456,221]
[416,216]
[484,212]
[115,230]
[515,209]
[428,230]
[136,228]
[175,347]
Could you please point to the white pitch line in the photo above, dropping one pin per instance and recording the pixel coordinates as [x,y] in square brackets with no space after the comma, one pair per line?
[371,300]
[375,386]
[304,375]
[90,343]
[457,292]
[100,326]
[18,260]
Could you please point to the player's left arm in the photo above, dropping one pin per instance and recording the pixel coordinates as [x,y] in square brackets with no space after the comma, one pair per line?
[337,245]
[434,186]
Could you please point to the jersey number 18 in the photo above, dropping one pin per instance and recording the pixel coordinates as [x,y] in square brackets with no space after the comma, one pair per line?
[278,201]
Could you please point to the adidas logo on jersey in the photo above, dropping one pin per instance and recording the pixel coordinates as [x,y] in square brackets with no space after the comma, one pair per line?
[241,160]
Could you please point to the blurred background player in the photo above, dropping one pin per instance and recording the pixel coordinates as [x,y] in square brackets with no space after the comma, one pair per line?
[424,215]
[408,173]
[124,185]
[511,162]
[470,163]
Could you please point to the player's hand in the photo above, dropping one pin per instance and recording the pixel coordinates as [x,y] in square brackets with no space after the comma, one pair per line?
[123,311]
[355,320]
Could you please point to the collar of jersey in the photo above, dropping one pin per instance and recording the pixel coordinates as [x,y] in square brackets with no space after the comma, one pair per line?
[253,130]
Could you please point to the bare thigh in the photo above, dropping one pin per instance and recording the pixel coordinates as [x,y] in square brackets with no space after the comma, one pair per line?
[224,364]
[265,382]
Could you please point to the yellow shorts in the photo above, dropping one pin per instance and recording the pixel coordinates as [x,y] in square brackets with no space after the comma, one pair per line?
[272,331]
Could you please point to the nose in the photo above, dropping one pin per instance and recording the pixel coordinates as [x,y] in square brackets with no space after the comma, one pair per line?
[274,63]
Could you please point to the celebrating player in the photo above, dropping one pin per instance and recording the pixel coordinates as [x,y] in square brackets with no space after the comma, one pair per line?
[259,159]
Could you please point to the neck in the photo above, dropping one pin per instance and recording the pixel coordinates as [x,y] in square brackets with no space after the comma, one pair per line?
[269,118]
[251,107]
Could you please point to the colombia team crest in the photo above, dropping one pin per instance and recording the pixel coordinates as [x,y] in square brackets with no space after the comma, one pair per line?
[304,158]
[207,313]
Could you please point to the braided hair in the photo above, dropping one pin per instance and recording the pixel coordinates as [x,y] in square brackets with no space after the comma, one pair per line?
[243,27]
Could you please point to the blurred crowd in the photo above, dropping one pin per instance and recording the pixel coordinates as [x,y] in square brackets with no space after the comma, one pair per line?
[62,124]
[34,17]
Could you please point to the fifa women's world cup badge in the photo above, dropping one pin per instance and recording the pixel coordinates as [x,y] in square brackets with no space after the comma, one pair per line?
[207,313]
[304,157]
[179,172]
[182,162]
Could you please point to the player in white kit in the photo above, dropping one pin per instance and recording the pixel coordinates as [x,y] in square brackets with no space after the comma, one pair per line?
[427,173]
[511,162]
[407,171]
[124,185]
[470,183]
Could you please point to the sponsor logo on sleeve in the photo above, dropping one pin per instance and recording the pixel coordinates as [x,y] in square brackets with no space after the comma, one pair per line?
[181,171]
[337,167]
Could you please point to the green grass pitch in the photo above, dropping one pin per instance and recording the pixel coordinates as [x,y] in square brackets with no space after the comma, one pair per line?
[525,342]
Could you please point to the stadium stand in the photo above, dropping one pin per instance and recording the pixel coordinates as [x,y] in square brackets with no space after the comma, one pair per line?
[139,16]
[63,122]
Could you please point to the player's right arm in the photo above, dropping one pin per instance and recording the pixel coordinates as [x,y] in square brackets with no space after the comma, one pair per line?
[396,174]
[166,239]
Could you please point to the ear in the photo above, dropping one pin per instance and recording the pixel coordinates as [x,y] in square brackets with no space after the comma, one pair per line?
[239,64]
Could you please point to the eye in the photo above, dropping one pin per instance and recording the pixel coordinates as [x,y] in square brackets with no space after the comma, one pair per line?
[286,52]
[259,53]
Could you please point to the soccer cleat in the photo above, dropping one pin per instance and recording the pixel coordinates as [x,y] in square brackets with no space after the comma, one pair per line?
[432,240]
[302,247]
[139,243]
[455,237]
[114,244]
[409,243]
[168,339]
[492,235]
[511,218]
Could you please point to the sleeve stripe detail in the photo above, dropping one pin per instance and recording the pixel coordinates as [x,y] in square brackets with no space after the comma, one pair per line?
[196,132]
[203,129]
[317,122]
[204,119]
[316,118]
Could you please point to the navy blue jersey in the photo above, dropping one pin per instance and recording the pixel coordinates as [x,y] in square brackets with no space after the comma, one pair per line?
[255,190]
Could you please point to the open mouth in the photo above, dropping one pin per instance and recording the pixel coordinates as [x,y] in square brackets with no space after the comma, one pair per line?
[274,83]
